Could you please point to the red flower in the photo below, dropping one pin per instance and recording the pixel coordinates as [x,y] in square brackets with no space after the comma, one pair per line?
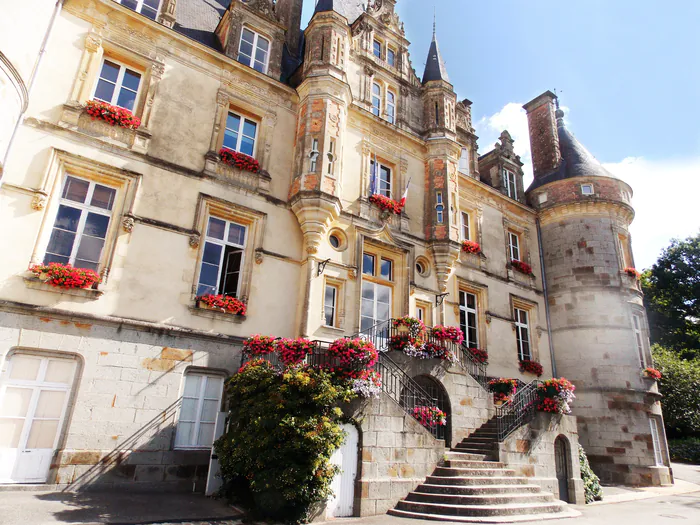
[652,373]
[632,272]
[354,353]
[112,114]
[65,276]
[239,160]
[430,416]
[294,351]
[224,303]
[481,356]
[448,333]
[504,387]
[471,247]
[531,366]
[385,203]
[522,267]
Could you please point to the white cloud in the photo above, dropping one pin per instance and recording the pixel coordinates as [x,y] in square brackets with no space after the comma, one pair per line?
[665,191]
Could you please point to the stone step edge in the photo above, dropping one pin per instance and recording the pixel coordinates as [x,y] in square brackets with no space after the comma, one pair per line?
[497,506]
[567,513]
[486,496]
[485,487]
[477,477]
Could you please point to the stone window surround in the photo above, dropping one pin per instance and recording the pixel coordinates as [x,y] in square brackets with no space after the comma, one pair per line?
[125,182]
[256,36]
[428,309]
[482,306]
[523,233]
[399,167]
[253,220]
[534,330]
[639,312]
[340,315]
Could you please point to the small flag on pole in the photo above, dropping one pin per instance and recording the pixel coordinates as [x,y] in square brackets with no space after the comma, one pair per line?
[402,203]
[373,177]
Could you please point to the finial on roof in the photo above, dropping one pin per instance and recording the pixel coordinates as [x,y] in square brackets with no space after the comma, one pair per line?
[434,22]
[435,66]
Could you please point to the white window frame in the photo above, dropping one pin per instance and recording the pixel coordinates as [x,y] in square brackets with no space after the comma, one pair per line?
[464,161]
[331,156]
[377,99]
[224,243]
[85,209]
[587,189]
[463,307]
[420,313]
[378,174]
[313,164]
[119,84]
[374,48]
[514,246]
[197,421]
[510,183]
[656,440]
[239,132]
[139,8]
[439,207]
[639,338]
[390,52]
[466,226]
[390,106]
[519,327]
[333,307]
[251,59]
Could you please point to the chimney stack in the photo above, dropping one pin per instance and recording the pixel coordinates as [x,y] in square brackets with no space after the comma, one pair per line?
[289,12]
[544,139]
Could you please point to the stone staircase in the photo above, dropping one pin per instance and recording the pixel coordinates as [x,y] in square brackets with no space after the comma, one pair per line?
[471,486]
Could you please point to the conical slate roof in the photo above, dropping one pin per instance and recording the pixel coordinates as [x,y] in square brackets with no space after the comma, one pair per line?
[350,9]
[576,160]
[435,66]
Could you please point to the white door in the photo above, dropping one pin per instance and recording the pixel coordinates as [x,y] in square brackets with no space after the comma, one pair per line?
[340,505]
[214,480]
[33,400]
[375,308]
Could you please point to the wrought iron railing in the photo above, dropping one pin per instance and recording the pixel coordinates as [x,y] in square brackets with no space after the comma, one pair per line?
[473,367]
[519,411]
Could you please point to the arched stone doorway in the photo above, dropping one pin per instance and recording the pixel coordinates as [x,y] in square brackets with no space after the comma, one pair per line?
[561,462]
[435,389]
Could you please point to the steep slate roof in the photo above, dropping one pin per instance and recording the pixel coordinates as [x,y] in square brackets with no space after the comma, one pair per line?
[350,9]
[576,160]
[435,66]
[198,19]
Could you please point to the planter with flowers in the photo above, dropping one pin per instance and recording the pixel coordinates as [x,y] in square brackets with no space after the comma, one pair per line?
[365,383]
[259,345]
[222,303]
[239,160]
[503,390]
[651,373]
[531,367]
[294,351]
[632,272]
[65,276]
[112,115]
[386,204]
[430,416]
[555,396]
[448,333]
[480,356]
[409,325]
[353,354]
[521,267]
[471,247]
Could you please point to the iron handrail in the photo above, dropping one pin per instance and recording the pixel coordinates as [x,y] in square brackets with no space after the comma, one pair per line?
[519,411]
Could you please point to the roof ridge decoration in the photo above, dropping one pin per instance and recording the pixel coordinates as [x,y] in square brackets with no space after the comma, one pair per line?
[264,7]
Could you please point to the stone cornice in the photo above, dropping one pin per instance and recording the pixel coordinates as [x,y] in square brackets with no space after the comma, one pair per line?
[607,208]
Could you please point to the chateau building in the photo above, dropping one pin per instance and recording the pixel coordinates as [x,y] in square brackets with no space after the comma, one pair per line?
[316,178]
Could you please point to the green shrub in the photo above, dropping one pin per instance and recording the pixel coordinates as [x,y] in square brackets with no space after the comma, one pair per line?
[283,429]
[591,482]
[685,450]
[680,387]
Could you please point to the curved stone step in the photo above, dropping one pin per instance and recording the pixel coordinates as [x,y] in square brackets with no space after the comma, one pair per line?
[475,448]
[506,509]
[465,456]
[481,499]
[479,439]
[469,463]
[474,472]
[565,513]
[478,480]
[468,490]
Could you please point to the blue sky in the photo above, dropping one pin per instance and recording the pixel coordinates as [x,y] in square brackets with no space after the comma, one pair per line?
[628,74]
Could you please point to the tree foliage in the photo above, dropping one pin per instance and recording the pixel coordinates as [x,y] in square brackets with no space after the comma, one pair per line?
[591,483]
[680,387]
[672,297]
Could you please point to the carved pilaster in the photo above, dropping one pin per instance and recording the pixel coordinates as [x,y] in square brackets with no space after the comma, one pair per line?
[221,105]
[88,62]
[157,70]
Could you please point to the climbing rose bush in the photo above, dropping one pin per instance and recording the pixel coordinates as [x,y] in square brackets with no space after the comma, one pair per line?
[385,203]
[532,367]
[430,416]
[225,303]
[65,276]
[471,247]
[239,160]
[258,345]
[555,396]
[448,333]
[113,115]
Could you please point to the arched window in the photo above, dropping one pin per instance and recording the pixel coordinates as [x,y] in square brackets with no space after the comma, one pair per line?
[390,106]
[377,99]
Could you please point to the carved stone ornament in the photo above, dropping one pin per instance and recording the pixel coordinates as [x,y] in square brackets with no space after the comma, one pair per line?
[369,71]
[352,273]
[266,7]
[221,98]
[39,201]
[488,318]
[194,240]
[360,28]
[93,43]
[374,7]
[128,224]
[157,70]
[259,257]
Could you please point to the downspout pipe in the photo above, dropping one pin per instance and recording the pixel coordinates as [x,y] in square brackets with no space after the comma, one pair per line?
[42,51]
[546,300]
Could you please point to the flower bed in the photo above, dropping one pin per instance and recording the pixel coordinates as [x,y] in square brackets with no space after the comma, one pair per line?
[223,303]
[480,356]
[294,351]
[65,276]
[632,272]
[430,416]
[532,367]
[385,203]
[521,267]
[448,333]
[503,389]
[415,327]
[555,396]
[471,247]
[113,115]
[258,345]
[652,373]
[239,160]
[354,353]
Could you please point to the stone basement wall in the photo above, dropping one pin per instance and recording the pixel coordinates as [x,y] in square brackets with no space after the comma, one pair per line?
[530,452]
[396,454]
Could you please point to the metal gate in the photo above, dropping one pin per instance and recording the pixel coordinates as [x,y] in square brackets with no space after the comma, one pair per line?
[561,461]
[442,401]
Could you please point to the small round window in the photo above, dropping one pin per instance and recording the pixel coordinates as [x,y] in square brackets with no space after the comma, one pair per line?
[335,242]
[422,267]
[337,239]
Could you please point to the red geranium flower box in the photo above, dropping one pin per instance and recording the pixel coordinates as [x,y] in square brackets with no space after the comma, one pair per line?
[521,266]
[480,356]
[652,373]
[113,115]
[294,351]
[385,203]
[532,367]
[632,272]
[448,333]
[223,303]
[471,247]
[65,276]
[239,160]
[258,345]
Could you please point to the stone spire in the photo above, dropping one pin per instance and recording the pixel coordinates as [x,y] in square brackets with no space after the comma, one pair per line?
[435,66]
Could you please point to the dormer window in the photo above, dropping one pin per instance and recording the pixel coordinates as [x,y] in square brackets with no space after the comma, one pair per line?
[147,8]
[254,50]
[509,183]
[391,57]
[377,49]
[464,161]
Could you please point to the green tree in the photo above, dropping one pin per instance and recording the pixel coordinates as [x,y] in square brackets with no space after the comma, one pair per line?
[672,297]
[680,387]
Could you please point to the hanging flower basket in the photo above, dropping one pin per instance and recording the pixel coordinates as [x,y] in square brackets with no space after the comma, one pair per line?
[480,356]
[65,276]
[354,354]
[448,333]
[430,416]
[365,383]
[385,203]
[410,325]
[521,267]
[113,115]
[652,373]
[239,160]
[531,367]
[555,396]
[294,351]
[471,247]
[503,389]
[632,272]
[221,303]
[258,345]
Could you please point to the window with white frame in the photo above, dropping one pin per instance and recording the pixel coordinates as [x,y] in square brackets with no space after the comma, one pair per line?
[420,313]
[330,303]
[464,161]
[147,8]
[522,333]
[587,189]
[377,99]
[254,50]
[390,106]
[201,404]
[117,85]
[383,179]
[331,157]
[656,440]
[468,318]
[313,164]
[391,57]
[377,49]
[639,339]
[81,224]
[222,258]
[509,181]
[466,227]
[240,134]
[514,246]
[439,207]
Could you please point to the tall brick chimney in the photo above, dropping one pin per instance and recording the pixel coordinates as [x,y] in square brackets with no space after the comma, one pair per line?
[544,139]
